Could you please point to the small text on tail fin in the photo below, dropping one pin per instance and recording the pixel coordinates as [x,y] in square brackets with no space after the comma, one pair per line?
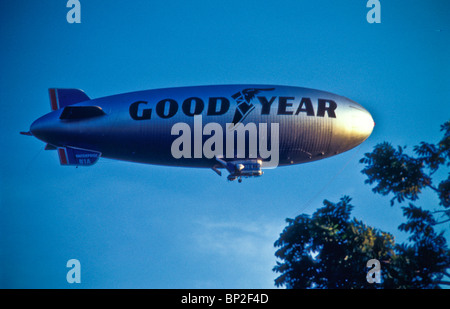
[76,156]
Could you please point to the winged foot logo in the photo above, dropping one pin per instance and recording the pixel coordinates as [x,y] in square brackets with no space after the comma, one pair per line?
[244,105]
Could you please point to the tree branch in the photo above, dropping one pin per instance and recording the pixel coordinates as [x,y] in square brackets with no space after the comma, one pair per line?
[443,282]
[433,187]
[442,221]
[437,211]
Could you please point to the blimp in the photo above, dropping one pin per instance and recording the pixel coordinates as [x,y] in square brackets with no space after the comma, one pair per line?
[240,129]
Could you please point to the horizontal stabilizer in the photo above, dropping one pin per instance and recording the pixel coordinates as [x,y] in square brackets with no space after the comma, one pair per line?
[81,112]
[76,156]
[61,97]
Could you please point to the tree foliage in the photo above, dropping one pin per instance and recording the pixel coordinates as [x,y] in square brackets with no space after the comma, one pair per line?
[406,176]
[330,250]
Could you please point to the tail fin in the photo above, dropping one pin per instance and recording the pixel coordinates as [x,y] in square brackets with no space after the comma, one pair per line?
[61,97]
[76,156]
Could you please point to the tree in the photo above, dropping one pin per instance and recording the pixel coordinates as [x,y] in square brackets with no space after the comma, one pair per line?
[405,177]
[329,250]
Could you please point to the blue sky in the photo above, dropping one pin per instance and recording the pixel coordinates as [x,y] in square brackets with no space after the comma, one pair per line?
[143,226]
